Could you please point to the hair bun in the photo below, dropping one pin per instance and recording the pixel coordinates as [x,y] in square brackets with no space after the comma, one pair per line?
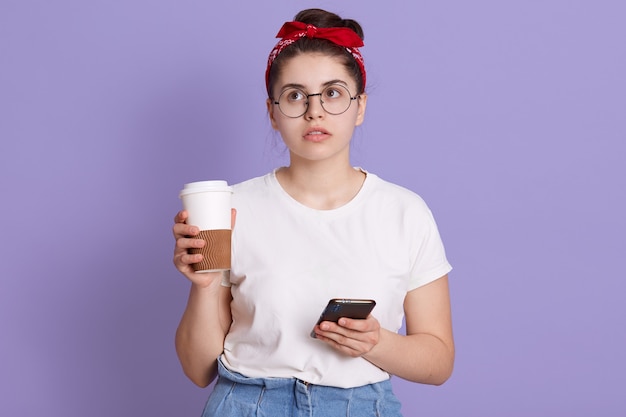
[354,25]
[323,19]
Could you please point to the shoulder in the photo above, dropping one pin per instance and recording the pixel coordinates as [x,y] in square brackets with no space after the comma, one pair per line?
[257,194]
[396,195]
[250,188]
[251,183]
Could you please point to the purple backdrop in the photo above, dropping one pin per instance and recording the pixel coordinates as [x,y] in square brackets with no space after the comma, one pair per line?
[507,117]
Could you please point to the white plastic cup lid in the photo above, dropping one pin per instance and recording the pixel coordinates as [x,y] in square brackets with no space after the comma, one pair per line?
[204,186]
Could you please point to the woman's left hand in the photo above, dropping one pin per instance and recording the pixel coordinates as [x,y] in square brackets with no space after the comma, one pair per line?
[353,337]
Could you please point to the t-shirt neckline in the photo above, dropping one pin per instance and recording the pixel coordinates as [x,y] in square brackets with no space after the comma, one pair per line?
[348,207]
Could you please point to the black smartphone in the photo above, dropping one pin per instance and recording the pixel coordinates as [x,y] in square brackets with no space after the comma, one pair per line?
[345,307]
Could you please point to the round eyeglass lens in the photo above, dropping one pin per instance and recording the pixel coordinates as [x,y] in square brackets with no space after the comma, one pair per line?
[335,99]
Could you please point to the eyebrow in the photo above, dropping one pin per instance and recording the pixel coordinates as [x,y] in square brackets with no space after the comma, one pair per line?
[324,85]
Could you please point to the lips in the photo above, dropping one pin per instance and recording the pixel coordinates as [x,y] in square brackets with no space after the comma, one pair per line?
[315,134]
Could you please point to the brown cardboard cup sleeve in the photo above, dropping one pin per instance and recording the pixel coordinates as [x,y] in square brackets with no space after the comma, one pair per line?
[216,251]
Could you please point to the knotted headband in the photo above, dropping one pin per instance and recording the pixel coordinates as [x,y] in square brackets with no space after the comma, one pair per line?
[292,31]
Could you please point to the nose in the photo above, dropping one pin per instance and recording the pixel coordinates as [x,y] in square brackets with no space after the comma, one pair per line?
[314,107]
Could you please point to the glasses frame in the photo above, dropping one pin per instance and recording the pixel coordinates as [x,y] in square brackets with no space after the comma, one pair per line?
[306,106]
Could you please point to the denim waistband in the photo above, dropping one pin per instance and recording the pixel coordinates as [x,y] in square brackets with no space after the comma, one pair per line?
[268,383]
[238,395]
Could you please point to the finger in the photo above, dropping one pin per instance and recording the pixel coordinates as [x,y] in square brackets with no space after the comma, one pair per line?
[181,216]
[233,217]
[355,324]
[182,230]
[364,332]
[188,259]
[336,332]
[183,259]
[343,344]
[345,326]
[189,243]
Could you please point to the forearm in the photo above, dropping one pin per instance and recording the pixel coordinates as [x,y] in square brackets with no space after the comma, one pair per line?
[422,358]
[201,332]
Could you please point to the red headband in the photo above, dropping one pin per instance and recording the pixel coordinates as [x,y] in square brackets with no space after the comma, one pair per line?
[292,31]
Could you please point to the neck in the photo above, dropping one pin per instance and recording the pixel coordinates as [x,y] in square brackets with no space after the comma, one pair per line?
[321,186]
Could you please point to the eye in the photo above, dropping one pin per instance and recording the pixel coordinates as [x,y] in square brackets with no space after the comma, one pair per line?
[295,95]
[333,92]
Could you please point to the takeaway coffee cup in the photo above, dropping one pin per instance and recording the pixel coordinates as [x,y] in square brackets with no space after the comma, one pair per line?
[208,204]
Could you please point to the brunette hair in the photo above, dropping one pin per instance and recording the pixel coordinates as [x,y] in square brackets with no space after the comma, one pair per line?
[321,19]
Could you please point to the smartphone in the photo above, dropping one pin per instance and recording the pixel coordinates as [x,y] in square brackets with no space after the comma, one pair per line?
[345,307]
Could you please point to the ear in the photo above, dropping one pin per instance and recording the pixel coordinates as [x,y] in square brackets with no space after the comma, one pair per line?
[270,111]
[362,102]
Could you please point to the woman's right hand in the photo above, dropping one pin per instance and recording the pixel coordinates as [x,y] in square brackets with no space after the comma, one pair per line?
[207,317]
[185,240]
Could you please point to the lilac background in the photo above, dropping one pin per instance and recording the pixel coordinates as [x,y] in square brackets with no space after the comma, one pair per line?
[508,117]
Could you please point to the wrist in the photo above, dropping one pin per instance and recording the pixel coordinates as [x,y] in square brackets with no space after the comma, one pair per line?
[207,281]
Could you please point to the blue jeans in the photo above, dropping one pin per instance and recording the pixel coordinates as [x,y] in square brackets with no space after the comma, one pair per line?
[236,395]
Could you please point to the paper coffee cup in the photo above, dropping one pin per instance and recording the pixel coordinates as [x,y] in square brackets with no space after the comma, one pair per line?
[208,204]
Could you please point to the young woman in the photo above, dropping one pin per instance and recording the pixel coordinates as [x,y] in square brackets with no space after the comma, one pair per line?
[308,232]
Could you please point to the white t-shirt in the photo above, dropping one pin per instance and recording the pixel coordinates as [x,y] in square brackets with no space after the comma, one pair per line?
[288,260]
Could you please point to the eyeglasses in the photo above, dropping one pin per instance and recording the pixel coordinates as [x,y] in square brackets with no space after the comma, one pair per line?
[335,99]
